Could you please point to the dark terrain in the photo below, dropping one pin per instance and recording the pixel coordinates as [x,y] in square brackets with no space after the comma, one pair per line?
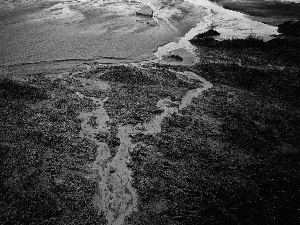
[270,12]
[230,157]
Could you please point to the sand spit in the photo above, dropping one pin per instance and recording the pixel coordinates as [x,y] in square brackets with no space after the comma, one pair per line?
[229,23]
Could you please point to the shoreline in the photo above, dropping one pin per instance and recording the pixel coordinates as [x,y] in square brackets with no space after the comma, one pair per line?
[64,33]
[268,12]
[226,22]
[67,127]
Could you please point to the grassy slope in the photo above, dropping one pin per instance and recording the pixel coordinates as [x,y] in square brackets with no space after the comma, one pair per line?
[44,162]
[42,158]
[225,160]
[232,157]
[271,12]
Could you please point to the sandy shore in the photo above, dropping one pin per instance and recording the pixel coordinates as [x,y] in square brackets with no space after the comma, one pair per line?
[87,30]
[110,32]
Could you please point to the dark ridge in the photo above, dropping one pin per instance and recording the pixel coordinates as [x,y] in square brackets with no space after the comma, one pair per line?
[175,57]
[251,41]
[264,9]
[277,84]
[13,90]
[290,28]
[125,74]
[50,61]
[288,49]
[209,33]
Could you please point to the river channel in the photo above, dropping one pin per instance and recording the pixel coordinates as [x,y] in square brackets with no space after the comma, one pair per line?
[116,196]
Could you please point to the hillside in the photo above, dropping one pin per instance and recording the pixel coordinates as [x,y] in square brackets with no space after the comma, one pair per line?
[231,156]
[159,112]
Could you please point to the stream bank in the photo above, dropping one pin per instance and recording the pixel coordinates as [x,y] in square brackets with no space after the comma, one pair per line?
[116,196]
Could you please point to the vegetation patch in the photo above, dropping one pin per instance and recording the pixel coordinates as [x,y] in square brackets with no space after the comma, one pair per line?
[42,158]
[285,48]
[13,90]
[219,161]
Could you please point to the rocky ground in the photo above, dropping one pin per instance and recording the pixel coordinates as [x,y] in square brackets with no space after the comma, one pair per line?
[216,142]
[230,157]
[271,12]
[45,162]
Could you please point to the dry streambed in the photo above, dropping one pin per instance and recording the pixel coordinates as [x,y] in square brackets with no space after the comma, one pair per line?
[116,196]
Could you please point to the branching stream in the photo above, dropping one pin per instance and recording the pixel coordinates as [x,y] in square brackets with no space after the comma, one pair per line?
[116,196]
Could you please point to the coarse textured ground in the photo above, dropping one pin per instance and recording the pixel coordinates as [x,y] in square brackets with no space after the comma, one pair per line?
[266,11]
[230,157]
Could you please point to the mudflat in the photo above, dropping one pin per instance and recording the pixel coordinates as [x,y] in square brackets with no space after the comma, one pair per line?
[208,133]
[86,30]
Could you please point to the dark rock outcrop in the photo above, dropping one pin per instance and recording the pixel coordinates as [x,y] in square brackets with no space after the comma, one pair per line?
[175,57]
[209,33]
[290,28]
[145,11]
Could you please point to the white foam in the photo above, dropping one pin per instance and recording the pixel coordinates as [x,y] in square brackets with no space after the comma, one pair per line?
[230,24]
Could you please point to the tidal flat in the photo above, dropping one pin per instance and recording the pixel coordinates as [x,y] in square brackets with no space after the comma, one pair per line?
[198,132]
[87,30]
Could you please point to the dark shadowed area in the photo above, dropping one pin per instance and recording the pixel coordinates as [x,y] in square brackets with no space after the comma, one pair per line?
[266,11]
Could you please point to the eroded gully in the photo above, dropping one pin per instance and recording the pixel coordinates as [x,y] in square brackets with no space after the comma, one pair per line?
[116,196]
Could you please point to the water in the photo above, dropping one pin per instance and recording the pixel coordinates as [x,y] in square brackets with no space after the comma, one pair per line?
[116,196]
[230,24]
[273,12]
